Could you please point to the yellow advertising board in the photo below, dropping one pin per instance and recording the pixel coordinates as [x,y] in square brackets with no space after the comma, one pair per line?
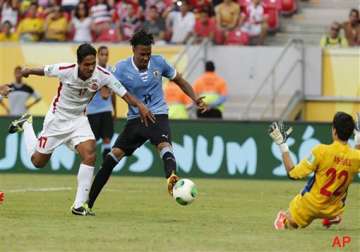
[40,54]
[341,78]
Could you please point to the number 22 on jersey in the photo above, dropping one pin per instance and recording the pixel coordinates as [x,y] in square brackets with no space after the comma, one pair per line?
[334,177]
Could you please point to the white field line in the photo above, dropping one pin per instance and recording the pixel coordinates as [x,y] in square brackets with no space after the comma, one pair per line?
[54,189]
[48,189]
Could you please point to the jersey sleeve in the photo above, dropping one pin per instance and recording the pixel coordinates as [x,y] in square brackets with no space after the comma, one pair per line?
[115,85]
[57,70]
[167,70]
[307,165]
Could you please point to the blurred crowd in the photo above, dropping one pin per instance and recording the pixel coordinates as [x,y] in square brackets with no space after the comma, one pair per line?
[224,22]
[240,22]
[343,34]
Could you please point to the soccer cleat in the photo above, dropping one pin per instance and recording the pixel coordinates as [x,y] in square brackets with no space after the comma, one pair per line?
[17,125]
[84,210]
[280,220]
[327,223]
[171,181]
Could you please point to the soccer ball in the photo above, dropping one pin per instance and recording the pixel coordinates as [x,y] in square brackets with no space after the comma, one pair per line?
[184,192]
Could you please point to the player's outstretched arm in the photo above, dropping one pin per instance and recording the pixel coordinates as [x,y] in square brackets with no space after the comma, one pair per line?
[357,131]
[32,71]
[189,91]
[280,134]
[145,114]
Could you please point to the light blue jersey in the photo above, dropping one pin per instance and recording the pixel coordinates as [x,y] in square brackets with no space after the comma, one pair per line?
[145,85]
[99,104]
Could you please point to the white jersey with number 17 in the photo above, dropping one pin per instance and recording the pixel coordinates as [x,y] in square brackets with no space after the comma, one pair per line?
[74,94]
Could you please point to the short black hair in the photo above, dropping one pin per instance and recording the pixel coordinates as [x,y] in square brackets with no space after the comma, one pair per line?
[85,50]
[142,37]
[209,66]
[344,125]
[102,48]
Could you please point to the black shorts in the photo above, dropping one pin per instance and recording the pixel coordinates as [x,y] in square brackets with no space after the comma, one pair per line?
[211,113]
[136,134]
[102,125]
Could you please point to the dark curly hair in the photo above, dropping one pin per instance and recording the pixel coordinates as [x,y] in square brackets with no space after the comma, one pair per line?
[141,37]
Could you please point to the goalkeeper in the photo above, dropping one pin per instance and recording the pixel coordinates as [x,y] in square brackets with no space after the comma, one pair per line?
[334,167]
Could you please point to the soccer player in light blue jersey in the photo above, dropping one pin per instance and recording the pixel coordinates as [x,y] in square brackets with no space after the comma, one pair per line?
[142,75]
[102,107]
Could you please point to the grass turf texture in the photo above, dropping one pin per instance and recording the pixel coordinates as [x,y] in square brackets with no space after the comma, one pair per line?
[137,214]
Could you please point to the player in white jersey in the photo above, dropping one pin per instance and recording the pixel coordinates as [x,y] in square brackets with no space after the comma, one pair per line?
[66,122]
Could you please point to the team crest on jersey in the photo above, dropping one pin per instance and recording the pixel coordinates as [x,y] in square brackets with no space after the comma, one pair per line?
[156,74]
[93,85]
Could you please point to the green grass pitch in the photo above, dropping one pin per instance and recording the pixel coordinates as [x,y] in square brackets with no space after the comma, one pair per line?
[137,214]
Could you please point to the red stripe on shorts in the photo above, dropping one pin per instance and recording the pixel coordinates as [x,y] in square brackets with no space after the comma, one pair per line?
[57,97]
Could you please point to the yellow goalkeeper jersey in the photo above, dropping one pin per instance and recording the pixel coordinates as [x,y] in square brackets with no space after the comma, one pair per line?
[334,166]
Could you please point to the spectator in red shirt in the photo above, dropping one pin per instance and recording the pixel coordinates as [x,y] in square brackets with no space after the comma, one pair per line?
[205,26]
[108,34]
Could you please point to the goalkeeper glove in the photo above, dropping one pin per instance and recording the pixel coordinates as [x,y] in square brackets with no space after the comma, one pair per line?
[357,129]
[279,133]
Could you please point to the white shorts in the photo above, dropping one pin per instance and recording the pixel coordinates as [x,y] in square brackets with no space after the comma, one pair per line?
[59,131]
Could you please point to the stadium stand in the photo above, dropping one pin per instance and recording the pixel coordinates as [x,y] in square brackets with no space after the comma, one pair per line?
[311,20]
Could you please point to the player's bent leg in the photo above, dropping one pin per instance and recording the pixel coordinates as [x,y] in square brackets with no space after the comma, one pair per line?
[103,175]
[39,160]
[300,213]
[87,152]
[167,155]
